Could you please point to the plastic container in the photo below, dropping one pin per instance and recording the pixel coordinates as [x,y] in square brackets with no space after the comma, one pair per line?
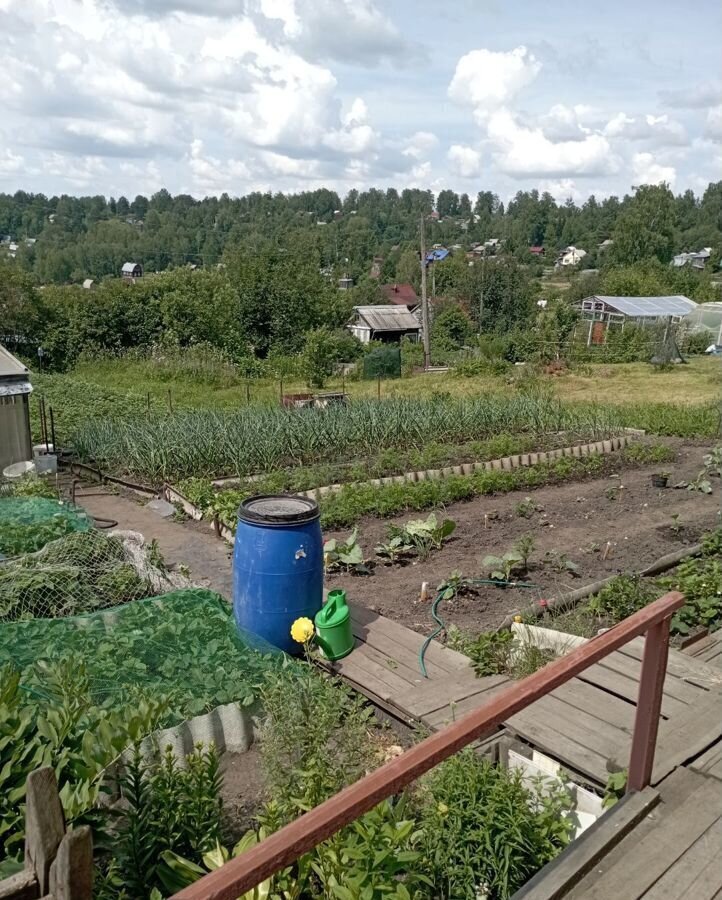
[660,481]
[18,470]
[42,449]
[277,566]
[47,464]
[333,626]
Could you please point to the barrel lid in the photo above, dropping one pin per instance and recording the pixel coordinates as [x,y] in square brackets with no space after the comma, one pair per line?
[278,509]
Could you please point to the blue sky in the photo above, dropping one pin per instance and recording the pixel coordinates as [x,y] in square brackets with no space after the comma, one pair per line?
[205,96]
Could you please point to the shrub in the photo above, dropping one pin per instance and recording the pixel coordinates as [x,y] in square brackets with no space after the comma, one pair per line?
[486,833]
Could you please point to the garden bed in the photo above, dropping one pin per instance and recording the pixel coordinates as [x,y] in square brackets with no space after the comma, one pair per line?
[568,522]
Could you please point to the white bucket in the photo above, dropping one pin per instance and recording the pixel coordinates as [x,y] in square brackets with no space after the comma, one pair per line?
[42,449]
[46,464]
[18,470]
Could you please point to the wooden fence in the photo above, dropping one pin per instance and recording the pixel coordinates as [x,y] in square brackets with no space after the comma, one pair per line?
[58,863]
[285,846]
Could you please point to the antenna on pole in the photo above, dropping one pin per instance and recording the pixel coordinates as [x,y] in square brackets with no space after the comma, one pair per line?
[424,301]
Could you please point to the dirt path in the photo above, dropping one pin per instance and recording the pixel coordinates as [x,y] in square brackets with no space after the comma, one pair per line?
[190,544]
[573,520]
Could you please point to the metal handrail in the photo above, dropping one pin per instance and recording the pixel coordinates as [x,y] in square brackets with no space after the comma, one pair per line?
[285,846]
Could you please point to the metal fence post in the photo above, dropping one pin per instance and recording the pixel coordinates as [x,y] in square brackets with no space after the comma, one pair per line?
[649,704]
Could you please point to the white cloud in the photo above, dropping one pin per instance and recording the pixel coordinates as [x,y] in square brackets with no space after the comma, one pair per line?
[561,189]
[564,123]
[713,123]
[487,80]
[697,97]
[420,144]
[10,163]
[464,161]
[524,151]
[647,171]
[660,130]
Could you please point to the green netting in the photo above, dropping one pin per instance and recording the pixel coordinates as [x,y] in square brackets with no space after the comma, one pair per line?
[183,647]
[79,573]
[28,523]
[383,362]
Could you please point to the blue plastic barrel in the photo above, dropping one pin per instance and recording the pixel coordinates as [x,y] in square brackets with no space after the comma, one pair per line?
[277,566]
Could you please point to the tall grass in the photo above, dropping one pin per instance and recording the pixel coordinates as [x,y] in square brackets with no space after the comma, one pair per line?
[259,439]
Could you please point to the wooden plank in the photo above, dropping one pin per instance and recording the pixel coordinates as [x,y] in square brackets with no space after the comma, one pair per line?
[673,687]
[444,657]
[710,762]
[44,824]
[381,671]
[675,829]
[682,739]
[679,665]
[603,705]
[21,886]
[627,688]
[408,676]
[452,711]
[557,877]
[384,642]
[537,729]
[440,693]
[583,730]
[697,874]
[71,874]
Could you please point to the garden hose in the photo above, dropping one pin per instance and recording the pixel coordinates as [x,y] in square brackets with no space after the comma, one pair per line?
[441,625]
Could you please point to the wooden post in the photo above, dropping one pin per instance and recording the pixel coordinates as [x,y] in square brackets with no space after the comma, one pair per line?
[170,401]
[147,400]
[248,392]
[71,875]
[281,390]
[44,824]
[649,705]
[424,301]
[378,387]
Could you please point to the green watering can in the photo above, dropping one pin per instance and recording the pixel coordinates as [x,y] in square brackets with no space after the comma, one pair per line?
[333,626]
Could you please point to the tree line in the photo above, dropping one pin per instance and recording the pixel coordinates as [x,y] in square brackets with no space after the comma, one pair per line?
[91,237]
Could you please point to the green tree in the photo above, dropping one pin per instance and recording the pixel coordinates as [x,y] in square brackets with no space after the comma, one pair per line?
[645,229]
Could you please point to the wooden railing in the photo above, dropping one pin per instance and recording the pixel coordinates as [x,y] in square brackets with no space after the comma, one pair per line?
[287,845]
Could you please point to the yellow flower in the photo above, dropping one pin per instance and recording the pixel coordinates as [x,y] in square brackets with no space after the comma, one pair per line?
[302,630]
[442,809]
[517,619]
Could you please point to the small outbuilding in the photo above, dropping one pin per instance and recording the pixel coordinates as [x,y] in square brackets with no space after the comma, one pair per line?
[15,438]
[131,271]
[384,323]
[401,295]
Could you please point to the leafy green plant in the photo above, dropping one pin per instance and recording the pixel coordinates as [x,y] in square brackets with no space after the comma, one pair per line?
[525,547]
[61,726]
[615,788]
[700,580]
[167,808]
[623,596]
[500,568]
[701,483]
[676,526]
[485,831]
[526,508]
[560,562]
[395,549]
[346,555]
[423,535]
[490,652]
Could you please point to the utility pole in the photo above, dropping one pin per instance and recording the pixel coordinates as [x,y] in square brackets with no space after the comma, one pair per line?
[481,293]
[424,301]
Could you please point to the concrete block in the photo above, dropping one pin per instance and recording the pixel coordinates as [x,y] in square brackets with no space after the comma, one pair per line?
[161,508]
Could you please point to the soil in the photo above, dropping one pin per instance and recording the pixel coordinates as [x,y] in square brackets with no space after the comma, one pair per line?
[576,519]
[242,793]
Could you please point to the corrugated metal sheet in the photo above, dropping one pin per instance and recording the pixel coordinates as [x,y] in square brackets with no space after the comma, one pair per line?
[387,318]
[638,307]
[9,366]
[15,388]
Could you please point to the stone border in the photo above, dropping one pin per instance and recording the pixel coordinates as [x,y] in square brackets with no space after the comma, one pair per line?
[506,463]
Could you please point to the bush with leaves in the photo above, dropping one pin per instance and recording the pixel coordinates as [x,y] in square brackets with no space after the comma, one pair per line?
[61,726]
[484,832]
[420,536]
[623,596]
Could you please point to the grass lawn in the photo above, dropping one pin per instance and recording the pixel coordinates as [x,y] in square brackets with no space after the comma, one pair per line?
[700,381]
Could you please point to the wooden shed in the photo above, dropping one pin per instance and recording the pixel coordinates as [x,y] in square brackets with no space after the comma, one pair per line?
[15,439]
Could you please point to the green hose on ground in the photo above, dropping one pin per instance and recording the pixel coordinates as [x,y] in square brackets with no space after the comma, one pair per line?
[441,625]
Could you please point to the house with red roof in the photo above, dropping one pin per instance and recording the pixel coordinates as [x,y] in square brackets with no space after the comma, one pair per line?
[401,295]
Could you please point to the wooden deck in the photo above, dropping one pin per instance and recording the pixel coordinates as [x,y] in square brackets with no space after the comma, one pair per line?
[708,649]
[586,724]
[674,852]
